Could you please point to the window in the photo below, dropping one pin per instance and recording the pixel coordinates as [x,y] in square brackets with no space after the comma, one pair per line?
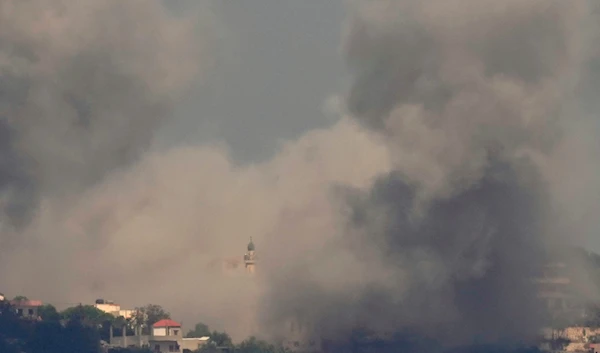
[175,332]
[172,348]
[157,348]
[30,312]
[20,312]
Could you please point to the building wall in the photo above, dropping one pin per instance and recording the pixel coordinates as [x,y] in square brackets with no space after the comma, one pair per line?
[159,331]
[165,342]
[249,261]
[27,308]
[165,346]
[115,310]
[130,341]
[25,311]
[108,308]
[193,343]
[125,313]
[167,331]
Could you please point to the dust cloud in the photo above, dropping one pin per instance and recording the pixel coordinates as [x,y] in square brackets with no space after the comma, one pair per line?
[424,207]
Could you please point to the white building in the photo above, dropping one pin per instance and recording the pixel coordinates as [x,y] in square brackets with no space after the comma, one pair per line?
[112,308]
[166,336]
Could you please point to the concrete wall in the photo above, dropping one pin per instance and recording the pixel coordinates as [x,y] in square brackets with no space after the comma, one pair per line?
[130,341]
[193,343]
[125,313]
[159,331]
[27,311]
[108,308]
[114,309]
[165,346]
[167,331]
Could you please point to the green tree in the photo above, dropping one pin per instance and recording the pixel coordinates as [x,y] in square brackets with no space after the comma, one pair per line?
[13,331]
[200,330]
[20,298]
[148,315]
[221,339]
[86,314]
[81,337]
[48,313]
[90,316]
[119,323]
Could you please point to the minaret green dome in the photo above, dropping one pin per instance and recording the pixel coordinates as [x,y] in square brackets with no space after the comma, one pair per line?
[250,245]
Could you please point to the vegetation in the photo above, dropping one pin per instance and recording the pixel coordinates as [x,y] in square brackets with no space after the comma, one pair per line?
[49,313]
[251,345]
[217,339]
[200,330]
[148,315]
[30,336]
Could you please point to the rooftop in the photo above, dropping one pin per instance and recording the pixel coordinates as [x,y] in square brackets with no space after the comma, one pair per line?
[201,339]
[26,302]
[166,323]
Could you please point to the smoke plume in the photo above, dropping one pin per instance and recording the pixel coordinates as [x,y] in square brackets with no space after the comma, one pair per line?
[424,209]
[475,102]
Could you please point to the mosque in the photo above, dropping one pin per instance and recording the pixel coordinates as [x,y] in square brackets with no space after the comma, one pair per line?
[250,257]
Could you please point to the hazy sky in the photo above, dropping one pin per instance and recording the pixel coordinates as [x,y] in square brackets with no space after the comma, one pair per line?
[260,93]
[84,87]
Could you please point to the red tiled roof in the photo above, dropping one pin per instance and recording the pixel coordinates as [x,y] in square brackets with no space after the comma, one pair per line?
[166,323]
[26,303]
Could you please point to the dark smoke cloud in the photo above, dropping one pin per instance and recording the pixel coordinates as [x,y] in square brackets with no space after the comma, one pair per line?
[475,102]
[83,87]
[460,273]
[422,212]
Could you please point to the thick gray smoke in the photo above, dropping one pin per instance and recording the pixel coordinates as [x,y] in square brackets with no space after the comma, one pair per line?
[83,87]
[476,101]
[424,208]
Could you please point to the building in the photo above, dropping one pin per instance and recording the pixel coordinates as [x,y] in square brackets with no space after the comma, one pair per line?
[27,308]
[250,257]
[553,286]
[194,343]
[110,307]
[558,292]
[166,336]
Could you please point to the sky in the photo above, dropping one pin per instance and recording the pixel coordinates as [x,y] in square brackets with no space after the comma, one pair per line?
[144,140]
[277,64]
[279,69]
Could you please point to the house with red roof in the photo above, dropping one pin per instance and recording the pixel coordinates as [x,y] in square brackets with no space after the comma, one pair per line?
[26,308]
[166,336]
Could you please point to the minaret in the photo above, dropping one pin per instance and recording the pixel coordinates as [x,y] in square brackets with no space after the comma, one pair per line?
[249,257]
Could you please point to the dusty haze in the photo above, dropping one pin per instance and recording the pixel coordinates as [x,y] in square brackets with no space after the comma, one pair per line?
[450,173]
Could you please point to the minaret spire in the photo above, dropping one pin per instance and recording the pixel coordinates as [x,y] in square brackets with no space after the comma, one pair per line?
[250,258]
